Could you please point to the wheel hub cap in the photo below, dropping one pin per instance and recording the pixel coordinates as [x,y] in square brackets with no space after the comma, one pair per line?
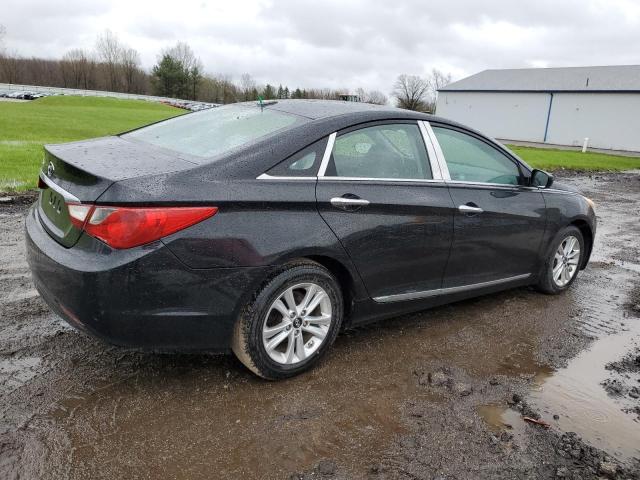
[297,323]
[566,261]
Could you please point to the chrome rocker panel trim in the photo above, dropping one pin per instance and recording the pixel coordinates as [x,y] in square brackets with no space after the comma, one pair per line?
[446,291]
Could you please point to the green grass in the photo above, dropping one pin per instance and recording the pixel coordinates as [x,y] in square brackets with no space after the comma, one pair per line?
[26,126]
[554,159]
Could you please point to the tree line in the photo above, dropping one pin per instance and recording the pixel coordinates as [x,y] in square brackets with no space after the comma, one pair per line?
[115,66]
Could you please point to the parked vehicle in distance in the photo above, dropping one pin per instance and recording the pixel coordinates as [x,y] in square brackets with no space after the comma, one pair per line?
[21,95]
[266,229]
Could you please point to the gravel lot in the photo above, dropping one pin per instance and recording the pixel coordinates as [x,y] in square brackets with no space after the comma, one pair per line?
[440,394]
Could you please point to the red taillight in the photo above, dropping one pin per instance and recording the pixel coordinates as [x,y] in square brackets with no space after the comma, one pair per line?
[41,184]
[126,227]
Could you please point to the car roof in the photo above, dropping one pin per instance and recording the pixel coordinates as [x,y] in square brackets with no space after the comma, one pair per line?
[316,109]
[323,109]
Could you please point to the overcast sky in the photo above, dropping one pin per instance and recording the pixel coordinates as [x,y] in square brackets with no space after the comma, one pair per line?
[341,43]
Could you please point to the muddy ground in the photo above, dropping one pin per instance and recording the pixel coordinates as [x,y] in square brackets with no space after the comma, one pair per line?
[440,394]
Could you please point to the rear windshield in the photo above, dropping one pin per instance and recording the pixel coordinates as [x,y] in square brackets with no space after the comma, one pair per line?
[209,133]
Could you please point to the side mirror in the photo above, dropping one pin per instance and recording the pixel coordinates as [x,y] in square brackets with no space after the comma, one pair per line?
[540,178]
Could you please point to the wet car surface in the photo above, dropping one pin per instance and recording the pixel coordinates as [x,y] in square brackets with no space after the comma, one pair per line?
[394,400]
[266,230]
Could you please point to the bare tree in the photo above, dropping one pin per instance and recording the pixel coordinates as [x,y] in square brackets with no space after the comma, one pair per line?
[121,62]
[68,69]
[3,32]
[129,61]
[374,96]
[182,52]
[77,68]
[436,80]
[411,92]
[377,97]
[109,52]
[219,89]
[439,80]
[10,67]
[247,87]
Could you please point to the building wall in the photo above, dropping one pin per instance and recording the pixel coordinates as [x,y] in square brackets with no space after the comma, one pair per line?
[609,120]
[516,116]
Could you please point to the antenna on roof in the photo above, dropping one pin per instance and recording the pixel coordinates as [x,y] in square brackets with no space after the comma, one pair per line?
[262,103]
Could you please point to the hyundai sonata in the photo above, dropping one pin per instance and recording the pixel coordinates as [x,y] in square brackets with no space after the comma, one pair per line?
[267,228]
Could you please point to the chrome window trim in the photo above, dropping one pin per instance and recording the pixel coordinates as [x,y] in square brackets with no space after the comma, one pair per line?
[386,180]
[443,163]
[439,155]
[266,176]
[329,150]
[327,154]
[487,184]
[555,190]
[321,169]
[437,162]
[446,291]
[58,189]
[434,164]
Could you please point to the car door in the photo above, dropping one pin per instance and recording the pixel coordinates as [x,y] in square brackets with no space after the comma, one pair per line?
[376,190]
[500,221]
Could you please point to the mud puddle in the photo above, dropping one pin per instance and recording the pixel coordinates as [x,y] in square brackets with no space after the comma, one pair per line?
[576,395]
[572,399]
[197,420]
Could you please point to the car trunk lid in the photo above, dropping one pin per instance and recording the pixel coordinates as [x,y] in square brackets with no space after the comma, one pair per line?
[80,172]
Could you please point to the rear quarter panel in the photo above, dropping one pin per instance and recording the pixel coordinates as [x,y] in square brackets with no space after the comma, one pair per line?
[261,223]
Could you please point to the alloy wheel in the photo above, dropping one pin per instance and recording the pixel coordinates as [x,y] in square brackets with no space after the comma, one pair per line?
[566,260]
[297,323]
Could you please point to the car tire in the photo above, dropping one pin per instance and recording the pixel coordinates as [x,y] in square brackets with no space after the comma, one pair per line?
[548,281]
[252,342]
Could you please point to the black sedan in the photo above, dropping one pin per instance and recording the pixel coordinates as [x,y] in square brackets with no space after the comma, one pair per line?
[267,228]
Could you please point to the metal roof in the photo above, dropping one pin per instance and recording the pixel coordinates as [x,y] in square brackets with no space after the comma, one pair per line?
[614,78]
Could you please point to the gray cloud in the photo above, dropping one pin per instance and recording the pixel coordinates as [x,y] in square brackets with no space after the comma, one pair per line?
[328,43]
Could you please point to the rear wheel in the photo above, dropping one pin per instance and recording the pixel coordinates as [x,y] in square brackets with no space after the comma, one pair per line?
[290,323]
[563,262]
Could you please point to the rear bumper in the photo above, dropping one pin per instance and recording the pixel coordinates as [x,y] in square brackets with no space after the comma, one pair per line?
[142,297]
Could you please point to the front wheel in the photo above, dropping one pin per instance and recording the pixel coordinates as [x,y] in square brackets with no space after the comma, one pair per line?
[563,262]
[290,323]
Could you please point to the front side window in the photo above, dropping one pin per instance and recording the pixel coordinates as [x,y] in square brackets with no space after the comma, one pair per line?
[472,160]
[212,132]
[381,151]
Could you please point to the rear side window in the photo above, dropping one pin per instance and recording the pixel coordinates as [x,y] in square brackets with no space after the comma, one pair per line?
[305,163]
[212,132]
[381,151]
[472,160]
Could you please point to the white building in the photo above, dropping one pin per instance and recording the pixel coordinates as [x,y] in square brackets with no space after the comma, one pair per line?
[560,106]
